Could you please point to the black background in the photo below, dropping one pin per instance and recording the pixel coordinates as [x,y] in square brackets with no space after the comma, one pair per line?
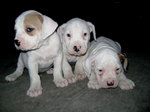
[123,21]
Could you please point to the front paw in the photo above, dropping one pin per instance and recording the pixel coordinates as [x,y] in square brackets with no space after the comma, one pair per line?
[71,79]
[61,82]
[93,85]
[126,84]
[80,76]
[50,71]
[34,92]
[11,77]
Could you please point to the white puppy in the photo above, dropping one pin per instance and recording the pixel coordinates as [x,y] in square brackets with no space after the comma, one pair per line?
[75,36]
[36,37]
[103,65]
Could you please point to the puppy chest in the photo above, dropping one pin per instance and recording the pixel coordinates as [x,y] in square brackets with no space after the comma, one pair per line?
[45,63]
[72,58]
[46,55]
[45,60]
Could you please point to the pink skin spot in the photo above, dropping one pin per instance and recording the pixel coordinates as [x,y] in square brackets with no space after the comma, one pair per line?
[117,73]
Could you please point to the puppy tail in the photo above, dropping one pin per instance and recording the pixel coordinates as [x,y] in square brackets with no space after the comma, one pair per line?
[123,60]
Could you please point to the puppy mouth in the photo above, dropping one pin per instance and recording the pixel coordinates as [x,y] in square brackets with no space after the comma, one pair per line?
[77,53]
[21,49]
[108,85]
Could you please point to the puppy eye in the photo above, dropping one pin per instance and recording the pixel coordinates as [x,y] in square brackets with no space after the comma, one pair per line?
[100,70]
[29,29]
[117,69]
[84,34]
[68,35]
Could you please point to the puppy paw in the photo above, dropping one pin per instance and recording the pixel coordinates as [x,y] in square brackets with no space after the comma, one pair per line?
[80,76]
[61,83]
[34,92]
[72,79]
[93,85]
[126,84]
[10,78]
[50,71]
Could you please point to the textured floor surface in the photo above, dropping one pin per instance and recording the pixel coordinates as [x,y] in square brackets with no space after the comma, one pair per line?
[77,97]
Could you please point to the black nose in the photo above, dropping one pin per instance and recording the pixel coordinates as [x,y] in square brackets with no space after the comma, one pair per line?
[76,48]
[17,42]
[110,83]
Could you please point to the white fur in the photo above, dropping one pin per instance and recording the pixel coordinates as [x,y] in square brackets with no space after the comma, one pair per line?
[103,67]
[75,33]
[39,54]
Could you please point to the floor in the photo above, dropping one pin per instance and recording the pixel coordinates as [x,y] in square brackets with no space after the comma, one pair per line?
[77,97]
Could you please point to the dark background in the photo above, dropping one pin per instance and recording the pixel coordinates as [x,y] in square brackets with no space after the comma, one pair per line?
[123,21]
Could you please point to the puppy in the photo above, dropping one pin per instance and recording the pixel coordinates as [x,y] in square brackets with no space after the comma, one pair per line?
[103,67]
[36,37]
[75,36]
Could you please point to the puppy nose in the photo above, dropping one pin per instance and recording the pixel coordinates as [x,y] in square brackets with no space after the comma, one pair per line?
[77,48]
[110,83]
[17,42]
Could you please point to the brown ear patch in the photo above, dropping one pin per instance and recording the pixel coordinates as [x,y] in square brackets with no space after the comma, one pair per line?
[124,60]
[121,56]
[33,23]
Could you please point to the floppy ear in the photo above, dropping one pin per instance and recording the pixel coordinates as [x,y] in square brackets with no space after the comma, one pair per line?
[48,27]
[60,30]
[123,59]
[92,29]
[87,65]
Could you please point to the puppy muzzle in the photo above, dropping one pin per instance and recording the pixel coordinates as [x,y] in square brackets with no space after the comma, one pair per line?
[17,42]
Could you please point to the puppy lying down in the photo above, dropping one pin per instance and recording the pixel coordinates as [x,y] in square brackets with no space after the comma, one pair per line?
[103,66]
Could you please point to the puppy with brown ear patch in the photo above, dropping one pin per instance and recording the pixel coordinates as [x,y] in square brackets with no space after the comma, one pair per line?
[35,34]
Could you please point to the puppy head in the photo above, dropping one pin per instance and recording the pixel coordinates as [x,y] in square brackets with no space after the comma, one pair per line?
[106,66]
[31,29]
[76,35]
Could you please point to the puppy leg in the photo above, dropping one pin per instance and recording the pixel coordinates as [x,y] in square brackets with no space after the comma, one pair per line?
[58,78]
[67,70]
[93,83]
[18,72]
[125,83]
[35,82]
[79,72]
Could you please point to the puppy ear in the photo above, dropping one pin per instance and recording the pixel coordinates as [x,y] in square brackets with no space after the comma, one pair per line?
[48,27]
[60,30]
[92,29]
[87,65]
[123,59]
